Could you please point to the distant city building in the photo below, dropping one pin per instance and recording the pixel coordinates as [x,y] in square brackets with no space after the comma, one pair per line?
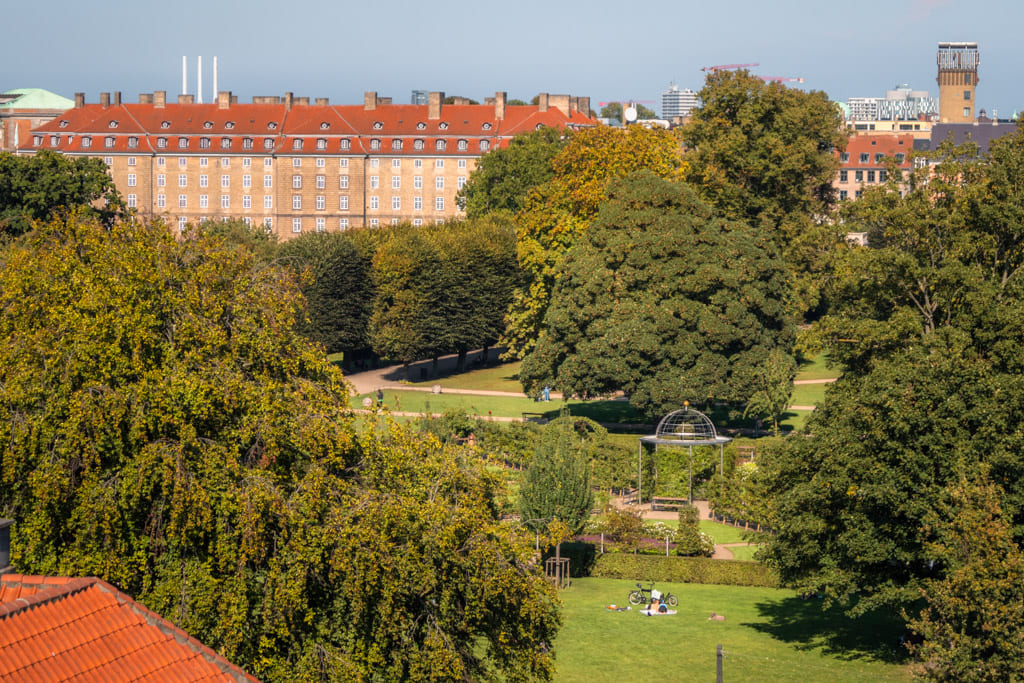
[23,109]
[419,97]
[676,102]
[899,104]
[957,78]
[291,165]
[864,162]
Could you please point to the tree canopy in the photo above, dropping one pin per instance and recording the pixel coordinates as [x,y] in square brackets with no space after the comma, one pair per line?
[556,486]
[35,188]
[662,300]
[613,110]
[164,427]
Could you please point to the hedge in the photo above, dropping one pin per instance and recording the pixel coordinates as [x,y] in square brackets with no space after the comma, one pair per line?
[682,570]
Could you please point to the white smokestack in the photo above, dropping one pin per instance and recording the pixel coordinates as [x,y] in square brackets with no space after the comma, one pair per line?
[199,81]
[214,99]
[184,75]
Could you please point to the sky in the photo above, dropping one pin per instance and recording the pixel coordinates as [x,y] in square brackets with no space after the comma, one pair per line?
[609,51]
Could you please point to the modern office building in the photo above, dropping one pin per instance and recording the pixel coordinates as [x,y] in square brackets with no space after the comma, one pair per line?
[676,103]
[899,104]
[291,165]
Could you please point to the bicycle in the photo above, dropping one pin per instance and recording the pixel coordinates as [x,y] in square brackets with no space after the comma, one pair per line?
[643,596]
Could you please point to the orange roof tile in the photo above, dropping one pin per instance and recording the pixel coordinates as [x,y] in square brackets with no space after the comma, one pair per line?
[58,628]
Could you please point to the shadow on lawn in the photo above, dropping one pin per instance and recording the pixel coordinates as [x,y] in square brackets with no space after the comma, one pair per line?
[808,626]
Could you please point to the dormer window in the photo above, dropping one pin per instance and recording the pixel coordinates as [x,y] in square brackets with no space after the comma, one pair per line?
[324,125]
[204,143]
[346,144]
[112,124]
[440,145]
[182,143]
[486,126]
[37,140]
[463,145]
[418,144]
[54,140]
[272,125]
[321,143]
[207,124]
[133,142]
[246,143]
[485,145]
[268,143]
[421,126]
[160,142]
[375,143]
[165,124]
[377,125]
[225,143]
[109,141]
[443,125]
[86,141]
[229,125]
[63,123]
[297,143]
[396,145]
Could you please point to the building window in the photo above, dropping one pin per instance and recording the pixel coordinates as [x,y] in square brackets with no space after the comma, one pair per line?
[438,163]
[225,201]
[439,145]
[343,224]
[417,163]
[343,203]
[297,144]
[374,222]
[321,162]
[225,181]
[439,182]
[374,182]
[967,112]
[268,143]
[396,182]
[160,161]
[296,225]
[321,143]
[296,162]
[246,143]
[225,162]
[296,202]
[342,163]
[55,140]
[131,180]
[374,203]
[858,176]
[248,221]
[204,162]
[133,142]
[844,157]
[967,95]
[375,144]
[161,180]
[108,142]
[161,201]
[462,163]
[417,222]
[204,181]
[182,201]
[879,157]
[374,163]
[871,176]
[225,143]
[865,157]
[858,194]
[86,141]
[182,223]
[296,182]
[417,203]
[439,203]
[246,201]
[109,161]
[268,162]
[247,181]
[396,163]
[268,201]
[321,182]
[132,201]
[181,162]
[246,162]
[843,176]
[268,181]
[131,161]
[882,176]
[463,145]
[343,182]
[396,203]
[417,182]
[485,145]
[204,143]
[900,156]
[346,144]
[321,202]
[461,181]
[321,224]
[204,201]
[269,222]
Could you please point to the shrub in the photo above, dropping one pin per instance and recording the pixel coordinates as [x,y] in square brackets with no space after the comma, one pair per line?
[624,527]
[683,570]
[690,541]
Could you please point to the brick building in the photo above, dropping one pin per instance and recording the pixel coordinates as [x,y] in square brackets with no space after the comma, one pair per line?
[23,109]
[865,160]
[291,165]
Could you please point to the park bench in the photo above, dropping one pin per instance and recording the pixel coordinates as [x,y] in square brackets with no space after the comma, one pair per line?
[658,503]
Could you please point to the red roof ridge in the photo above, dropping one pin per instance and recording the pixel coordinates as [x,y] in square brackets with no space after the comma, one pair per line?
[57,587]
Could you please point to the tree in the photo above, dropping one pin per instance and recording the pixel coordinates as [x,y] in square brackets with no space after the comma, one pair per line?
[973,625]
[504,176]
[613,110]
[256,239]
[338,289]
[559,211]
[852,499]
[662,300]
[556,485]
[36,188]
[773,387]
[164,427]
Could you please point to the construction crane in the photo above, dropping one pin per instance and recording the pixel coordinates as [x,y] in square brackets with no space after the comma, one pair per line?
[727,67]
[781,79]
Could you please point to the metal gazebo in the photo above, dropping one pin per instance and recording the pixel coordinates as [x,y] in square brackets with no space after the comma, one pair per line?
[686,427]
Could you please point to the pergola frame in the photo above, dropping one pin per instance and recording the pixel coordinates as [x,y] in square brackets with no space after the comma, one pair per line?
[686,427]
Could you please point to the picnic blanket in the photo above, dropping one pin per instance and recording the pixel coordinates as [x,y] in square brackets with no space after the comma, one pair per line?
[656,613]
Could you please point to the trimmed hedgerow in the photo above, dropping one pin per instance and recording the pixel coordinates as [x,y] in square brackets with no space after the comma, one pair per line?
[682,570]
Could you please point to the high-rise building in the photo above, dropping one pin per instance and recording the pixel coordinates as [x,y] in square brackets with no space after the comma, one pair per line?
[419,97]
[676,102]
[899,104]
[957,78]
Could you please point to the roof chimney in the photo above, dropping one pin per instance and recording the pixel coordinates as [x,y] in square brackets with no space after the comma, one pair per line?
[186,99]
[117,98]
[301,100]
[559,102]
[104,99]
[5,546]
[500,99]
[322,102]
[224,99]
[79,100]
[289,99]
[434,100]
[542,102]
[145,98]
[159,98]
[369,101]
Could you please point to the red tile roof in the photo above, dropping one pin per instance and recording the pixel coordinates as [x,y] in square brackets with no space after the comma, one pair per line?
[60,628]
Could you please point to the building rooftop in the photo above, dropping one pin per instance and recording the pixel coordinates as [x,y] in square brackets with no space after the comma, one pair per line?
[33,98]
[62,628]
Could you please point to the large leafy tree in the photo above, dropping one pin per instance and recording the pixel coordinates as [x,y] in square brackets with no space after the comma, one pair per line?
[556,485]
[504,176]
[165,427]
[34,188]
[662,300]
[613,110]
[559,211]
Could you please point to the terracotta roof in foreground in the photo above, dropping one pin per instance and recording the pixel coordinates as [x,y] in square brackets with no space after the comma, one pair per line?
[84,629]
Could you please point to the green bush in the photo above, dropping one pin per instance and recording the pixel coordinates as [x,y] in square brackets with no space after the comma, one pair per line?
[690,541]
[682,570]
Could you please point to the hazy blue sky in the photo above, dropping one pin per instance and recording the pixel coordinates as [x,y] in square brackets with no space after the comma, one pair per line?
[607,50]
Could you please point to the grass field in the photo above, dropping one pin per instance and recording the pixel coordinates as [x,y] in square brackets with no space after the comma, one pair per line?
[768,635]
[743,552]
[808,394]
[815,368]
[504,377]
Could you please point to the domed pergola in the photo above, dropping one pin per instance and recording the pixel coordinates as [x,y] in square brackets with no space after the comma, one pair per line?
[686,427]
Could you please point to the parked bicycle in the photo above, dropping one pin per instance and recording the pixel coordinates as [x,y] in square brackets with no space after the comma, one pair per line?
[643,596]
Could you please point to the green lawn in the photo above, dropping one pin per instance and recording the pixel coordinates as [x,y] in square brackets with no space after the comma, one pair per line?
[722,533]
[743,552]
[504,377]
[815,368]
[808,394]
[768,635]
